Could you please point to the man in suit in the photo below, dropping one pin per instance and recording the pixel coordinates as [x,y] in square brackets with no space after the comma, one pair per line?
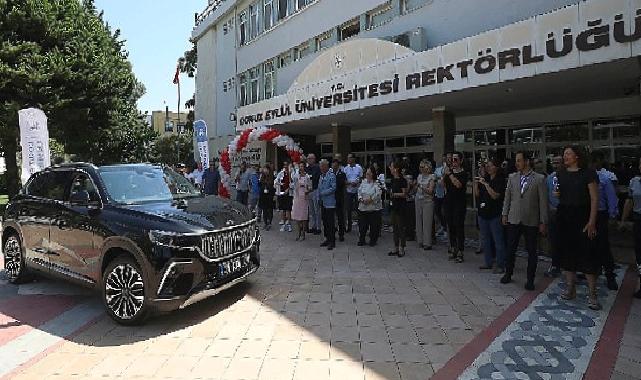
[525,212]
[327,197]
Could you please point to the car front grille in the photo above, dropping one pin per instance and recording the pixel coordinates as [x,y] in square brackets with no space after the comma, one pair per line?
[219,244]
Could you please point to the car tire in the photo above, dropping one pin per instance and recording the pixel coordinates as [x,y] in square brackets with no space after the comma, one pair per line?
[124,291]
[14,263]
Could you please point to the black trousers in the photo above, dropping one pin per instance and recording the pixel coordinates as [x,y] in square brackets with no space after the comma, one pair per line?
[410,225]
[455,214]
[268,214]
[351,204]
[603,243]
[636,232]
[329,224]
[340,218]
[553,239]
[514,233]
[438,212]
[399,225]
[369,220]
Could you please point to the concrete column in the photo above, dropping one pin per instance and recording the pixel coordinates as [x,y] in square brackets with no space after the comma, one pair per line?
[342,140]
[444,125]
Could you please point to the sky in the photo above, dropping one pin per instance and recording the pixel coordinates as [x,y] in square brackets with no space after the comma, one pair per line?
[156,34]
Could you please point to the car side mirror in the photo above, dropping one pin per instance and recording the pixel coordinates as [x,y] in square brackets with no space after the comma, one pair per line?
[79,198]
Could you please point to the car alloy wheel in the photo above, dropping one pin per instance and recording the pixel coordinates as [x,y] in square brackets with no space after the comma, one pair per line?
[13,261]
[124,291]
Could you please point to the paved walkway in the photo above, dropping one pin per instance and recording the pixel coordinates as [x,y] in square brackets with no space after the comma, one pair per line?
[353,313]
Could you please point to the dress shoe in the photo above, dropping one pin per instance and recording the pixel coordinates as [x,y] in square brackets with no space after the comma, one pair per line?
[612,283]
[341,238]
[360,243]
[529,285]
[330,247]
[506,279]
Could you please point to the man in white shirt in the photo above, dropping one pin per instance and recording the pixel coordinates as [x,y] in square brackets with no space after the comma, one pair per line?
[354,174]
[196,176]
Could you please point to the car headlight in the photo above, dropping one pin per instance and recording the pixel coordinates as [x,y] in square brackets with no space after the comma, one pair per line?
[166,238]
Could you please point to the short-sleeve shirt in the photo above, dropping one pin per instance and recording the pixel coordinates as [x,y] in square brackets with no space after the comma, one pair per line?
[354,174]
[423,181]
[453,194]
[573,187]
[398,184]
[490,208]
[635,194]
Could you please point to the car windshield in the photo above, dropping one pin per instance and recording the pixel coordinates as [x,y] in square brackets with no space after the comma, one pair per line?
[132,184]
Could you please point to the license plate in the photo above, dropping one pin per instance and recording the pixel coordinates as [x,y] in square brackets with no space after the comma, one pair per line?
[233,265]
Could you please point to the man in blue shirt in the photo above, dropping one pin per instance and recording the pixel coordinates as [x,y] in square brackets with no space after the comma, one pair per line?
[327,197]
[553,203]
[608,209]
[254,190]
[211,179]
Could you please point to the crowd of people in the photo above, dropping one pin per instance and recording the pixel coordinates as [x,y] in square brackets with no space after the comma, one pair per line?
[571,205]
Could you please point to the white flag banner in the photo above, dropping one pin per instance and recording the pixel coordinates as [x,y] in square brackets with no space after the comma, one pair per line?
[34,139]
[202,142]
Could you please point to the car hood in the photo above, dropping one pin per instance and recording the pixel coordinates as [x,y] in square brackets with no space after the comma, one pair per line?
[197,214]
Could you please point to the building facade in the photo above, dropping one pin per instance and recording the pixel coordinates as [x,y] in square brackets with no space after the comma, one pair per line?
[419,77]
[166,122]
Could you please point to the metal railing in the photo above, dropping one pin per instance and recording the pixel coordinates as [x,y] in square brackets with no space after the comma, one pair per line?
[211,8]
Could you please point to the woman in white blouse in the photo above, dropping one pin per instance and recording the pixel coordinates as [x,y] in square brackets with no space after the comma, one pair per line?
[369,208]
[424,203]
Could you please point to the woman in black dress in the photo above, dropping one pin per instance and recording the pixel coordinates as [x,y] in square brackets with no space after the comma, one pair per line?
[577,190]
[398,206]
[266,199]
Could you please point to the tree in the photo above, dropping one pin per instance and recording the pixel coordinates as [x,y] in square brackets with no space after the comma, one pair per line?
[174,149]
[60,56]
[188,63]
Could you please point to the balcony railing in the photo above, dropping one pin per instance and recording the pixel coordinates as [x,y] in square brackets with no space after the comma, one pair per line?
[211,8]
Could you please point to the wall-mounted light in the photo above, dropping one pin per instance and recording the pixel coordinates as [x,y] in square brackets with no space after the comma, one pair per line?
[232,117]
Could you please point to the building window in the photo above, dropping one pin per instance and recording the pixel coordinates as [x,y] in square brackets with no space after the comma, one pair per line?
[269,79]
[567,132]
[402,39]
[169,126]
[254,25]
[350,29]
[301,51]
[283,9]
[525,136]
[268,14]
[242,27]
[379,15]
[300,4]
[243,89]
[324,41]
[285,59]
[412,5]
[254,85]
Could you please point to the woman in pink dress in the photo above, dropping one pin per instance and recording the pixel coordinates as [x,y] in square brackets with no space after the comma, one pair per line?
[302,187]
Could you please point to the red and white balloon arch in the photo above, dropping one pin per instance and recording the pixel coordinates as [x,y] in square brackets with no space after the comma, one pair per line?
[240,142]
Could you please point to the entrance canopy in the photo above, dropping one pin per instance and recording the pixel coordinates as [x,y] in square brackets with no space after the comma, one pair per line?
[579,53]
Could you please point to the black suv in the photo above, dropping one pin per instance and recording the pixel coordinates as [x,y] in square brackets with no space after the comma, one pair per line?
[142,234]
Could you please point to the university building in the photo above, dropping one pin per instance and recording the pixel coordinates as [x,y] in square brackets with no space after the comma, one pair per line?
[421,77]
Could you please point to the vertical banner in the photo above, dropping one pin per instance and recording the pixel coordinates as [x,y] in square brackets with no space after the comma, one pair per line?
[34,139]
[202,142]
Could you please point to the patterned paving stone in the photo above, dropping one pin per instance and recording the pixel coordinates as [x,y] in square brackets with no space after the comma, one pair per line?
[551,339]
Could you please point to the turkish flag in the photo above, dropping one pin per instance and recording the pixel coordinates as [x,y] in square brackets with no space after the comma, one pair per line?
[177,77]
